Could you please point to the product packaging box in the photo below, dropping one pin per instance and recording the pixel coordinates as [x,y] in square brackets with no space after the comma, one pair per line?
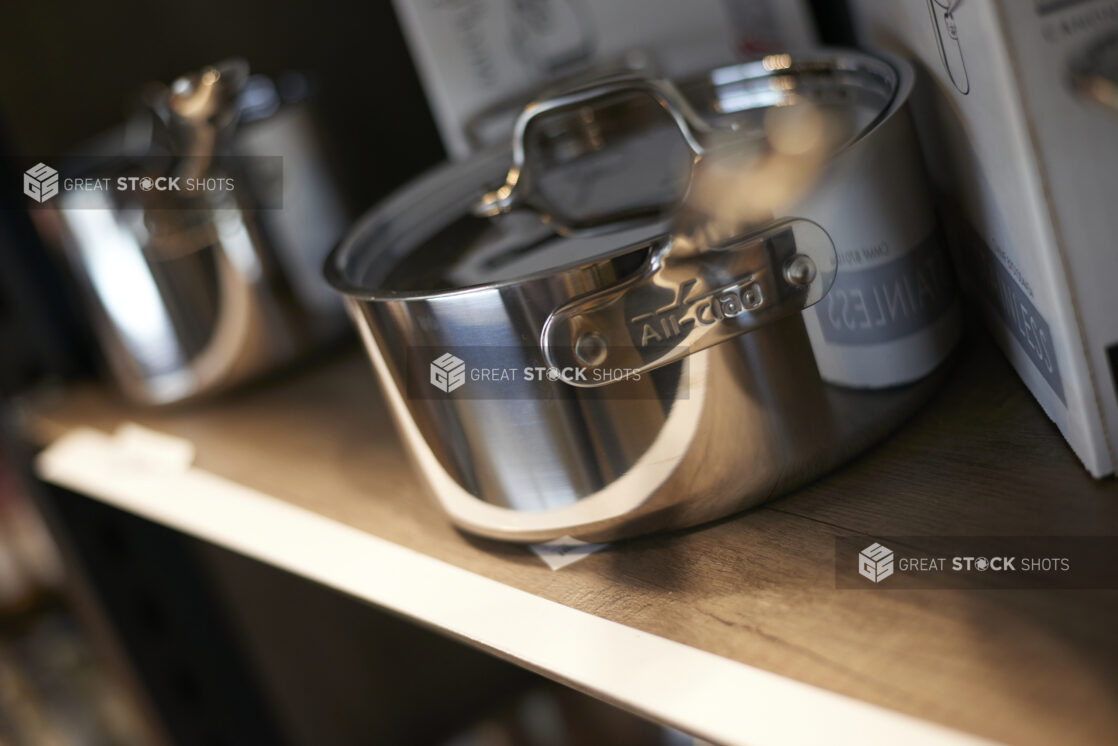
[479,59]
[1020,132]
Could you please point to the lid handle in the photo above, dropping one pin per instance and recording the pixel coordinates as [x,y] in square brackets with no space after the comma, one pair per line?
[521,182]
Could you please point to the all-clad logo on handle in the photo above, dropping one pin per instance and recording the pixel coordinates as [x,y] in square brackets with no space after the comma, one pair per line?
[704,309]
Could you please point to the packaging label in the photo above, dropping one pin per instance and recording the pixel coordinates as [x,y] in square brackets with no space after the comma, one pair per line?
[891,300]
[1018,313]
[1045,7]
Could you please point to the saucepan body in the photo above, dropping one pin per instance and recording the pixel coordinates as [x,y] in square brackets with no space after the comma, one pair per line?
[454,311]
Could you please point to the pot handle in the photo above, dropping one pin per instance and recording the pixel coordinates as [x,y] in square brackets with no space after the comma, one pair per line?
[689,296]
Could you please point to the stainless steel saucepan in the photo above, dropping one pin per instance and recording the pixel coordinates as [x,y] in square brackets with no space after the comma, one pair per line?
[192,291]
[665,303]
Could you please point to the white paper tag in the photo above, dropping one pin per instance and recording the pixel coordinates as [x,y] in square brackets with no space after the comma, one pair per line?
[564,551]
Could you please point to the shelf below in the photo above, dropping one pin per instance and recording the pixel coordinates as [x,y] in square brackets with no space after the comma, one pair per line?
[734,631]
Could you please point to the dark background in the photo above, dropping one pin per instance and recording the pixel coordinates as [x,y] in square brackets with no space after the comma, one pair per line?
[71,71]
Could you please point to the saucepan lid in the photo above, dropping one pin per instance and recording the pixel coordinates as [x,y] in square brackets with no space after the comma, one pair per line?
[684,179]
[615,157]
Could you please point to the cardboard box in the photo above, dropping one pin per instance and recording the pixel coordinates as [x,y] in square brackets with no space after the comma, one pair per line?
[475,55]
[1027,168]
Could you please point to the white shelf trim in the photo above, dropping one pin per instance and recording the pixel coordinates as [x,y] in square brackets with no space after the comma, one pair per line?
[701,693]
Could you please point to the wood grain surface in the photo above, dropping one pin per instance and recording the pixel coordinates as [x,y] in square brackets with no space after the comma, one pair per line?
[1028,667]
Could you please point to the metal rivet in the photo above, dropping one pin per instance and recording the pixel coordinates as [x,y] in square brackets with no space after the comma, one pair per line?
[591,348]
[799,270]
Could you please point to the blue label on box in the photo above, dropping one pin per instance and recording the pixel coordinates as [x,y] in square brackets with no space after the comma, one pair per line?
[1017,311]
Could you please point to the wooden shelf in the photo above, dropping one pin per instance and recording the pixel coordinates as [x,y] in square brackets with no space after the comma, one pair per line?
[682,626]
